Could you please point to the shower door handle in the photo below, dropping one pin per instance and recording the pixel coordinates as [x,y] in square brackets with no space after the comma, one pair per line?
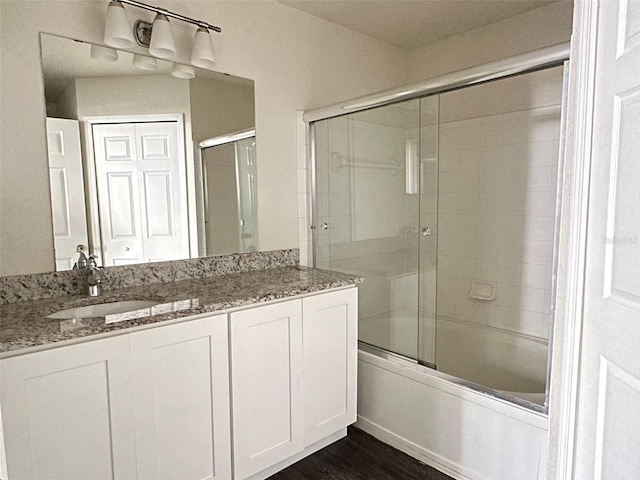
[426,231]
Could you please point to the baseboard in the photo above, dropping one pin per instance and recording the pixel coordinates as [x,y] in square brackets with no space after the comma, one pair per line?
[415,451]
[313,448]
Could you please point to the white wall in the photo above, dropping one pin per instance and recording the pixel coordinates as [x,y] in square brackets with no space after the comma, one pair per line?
[529,31]
[121,96]
[219,108]
[296,60]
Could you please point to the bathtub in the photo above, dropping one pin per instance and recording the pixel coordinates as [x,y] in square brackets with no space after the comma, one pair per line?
[463,432]
[511,364]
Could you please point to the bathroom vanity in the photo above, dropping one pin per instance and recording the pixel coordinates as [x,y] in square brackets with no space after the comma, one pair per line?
[232,376]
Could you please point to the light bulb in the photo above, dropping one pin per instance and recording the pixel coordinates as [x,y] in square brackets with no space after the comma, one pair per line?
[202,53]
[117,29]
[162,44]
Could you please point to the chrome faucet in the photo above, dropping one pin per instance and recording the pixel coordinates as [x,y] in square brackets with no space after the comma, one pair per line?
[82,257]
[94,277]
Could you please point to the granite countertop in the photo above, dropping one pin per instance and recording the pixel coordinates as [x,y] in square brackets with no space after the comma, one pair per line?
[24,324]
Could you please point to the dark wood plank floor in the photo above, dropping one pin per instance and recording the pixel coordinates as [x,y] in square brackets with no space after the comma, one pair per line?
[359,456]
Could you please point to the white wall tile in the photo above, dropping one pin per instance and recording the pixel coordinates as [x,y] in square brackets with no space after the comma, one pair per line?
[497,199]
[537,228]
[532,299]
[465,245]
[447,265]
[446,244]
[508,295]
[302,180]
[535,276]
[487,247]
[465,267]
[534,252]
[532,323]
[486,269]
[509,272]
[301,153]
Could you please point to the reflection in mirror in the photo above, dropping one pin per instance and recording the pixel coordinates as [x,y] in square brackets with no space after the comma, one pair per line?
[127,180]
[230,193]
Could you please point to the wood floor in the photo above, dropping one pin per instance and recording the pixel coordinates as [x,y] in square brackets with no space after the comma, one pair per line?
[359,456]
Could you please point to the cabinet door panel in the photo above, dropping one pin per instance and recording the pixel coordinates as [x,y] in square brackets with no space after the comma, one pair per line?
[66,412]
[330,343]
[266,376]
[181,399]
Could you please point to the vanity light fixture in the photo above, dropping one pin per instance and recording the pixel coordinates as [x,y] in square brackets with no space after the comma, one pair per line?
[162,44]
[142,62]
[106,54]
[182,71]
[202,53]
[157,36]
[117,29]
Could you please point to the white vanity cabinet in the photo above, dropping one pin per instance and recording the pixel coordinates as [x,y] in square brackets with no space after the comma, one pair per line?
[264,385]
[180,385]
[293,378]
[152,404]
[66,412]
[330,358]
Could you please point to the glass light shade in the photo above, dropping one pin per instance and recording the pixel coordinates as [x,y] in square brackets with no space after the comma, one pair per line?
[117,29]
[182,71]
[142,62]
[202,53]
[105,54]
[162,44]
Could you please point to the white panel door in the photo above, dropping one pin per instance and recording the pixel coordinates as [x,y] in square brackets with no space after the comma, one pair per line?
[141,181]
[330,353]
[67,190]
[116,162]
[266,386]
[608,427]
[66,413]
[162,177]
[181,399]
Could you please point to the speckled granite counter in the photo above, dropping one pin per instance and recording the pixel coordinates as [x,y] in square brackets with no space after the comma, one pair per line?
[24,324]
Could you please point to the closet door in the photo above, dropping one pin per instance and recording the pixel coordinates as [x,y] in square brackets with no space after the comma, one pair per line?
[116,161]
[141,181]
[162,186]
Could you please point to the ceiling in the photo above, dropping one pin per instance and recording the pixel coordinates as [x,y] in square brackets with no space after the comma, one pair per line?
[413,23]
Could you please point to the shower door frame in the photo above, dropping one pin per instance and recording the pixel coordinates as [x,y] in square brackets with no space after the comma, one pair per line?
[549,57]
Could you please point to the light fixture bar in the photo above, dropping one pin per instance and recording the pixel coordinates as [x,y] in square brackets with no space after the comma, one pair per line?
[168,13]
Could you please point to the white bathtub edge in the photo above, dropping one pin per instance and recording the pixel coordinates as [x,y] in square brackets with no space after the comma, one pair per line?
[461,432]
[503,407]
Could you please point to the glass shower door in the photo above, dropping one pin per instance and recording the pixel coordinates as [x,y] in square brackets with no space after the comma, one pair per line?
[428,243]
[246,178]
[368,202]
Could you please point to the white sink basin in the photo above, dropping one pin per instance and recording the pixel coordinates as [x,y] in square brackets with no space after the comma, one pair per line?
[103,309]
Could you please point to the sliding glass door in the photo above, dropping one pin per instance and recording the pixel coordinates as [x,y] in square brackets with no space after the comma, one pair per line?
[375,215]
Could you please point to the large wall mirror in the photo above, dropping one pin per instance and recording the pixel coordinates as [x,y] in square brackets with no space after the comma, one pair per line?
[148,161]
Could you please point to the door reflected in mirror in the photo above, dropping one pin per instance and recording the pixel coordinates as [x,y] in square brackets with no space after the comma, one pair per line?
[230,193]
[129,175]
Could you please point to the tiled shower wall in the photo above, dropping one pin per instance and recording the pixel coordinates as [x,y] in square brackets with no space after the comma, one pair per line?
[497,195]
